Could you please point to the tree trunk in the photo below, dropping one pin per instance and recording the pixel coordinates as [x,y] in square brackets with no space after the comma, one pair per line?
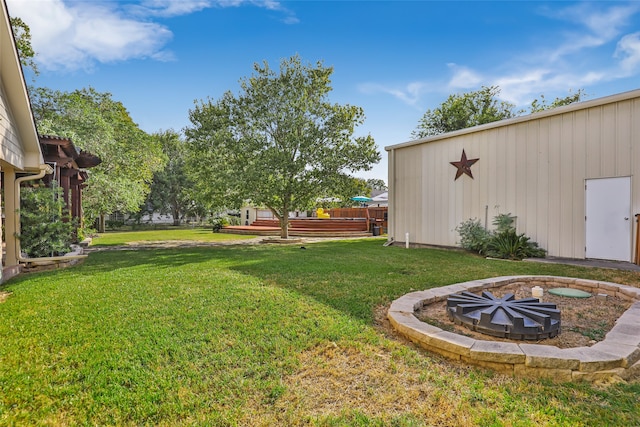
[101,223]
[284,226]
[175,213]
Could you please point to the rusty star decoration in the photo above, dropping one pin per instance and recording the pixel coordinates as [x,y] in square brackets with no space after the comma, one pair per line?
[464,166]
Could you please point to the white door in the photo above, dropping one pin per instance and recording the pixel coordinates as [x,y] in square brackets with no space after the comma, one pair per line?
[608,218]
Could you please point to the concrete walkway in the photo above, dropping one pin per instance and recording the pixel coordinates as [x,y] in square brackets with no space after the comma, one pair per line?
[173,244]
[599,263]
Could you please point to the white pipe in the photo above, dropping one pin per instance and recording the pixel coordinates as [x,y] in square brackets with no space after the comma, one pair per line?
[44,169]
[486,217]
[406,240]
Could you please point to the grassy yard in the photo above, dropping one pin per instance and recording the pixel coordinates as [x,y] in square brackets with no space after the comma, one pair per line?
[198,234]
[264,336]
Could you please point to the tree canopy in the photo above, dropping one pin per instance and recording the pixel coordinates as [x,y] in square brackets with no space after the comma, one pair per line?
[377,184]
[541,104]
[102,126]
[22,34]
[171,189]
[278,143]
[465,110]
[461,111]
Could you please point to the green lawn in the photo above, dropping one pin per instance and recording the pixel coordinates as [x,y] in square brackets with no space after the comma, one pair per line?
[198,234]
[262,336]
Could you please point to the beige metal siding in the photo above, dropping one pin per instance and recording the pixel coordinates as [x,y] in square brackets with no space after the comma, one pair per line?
[534,168]
[411,173]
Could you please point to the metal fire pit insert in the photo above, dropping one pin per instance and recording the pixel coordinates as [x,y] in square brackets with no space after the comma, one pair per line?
[506,317]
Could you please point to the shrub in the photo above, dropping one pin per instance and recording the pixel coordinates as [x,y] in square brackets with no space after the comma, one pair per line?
[508,244]
[114,224]
[504,222]
[218,223]
[84,232]
[504,242]
[45,229]
[473,236]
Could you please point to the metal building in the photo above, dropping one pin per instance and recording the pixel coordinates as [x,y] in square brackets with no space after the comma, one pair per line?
[571,176]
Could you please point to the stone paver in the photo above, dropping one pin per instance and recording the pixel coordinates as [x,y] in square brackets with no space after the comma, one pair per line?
[496,351]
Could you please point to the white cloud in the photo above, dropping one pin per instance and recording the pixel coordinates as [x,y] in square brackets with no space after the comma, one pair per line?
[574,44]
[173,7]
[629,50]
[595,26]
[580,57]
[269,4]
[109,37]
[463,77]
[600,19]
[168,8]
[409,94]
[291,19]
[522,89]
[75,35]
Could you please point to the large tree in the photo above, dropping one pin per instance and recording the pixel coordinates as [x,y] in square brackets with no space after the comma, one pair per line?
[475,108]
[342,195]
[377,184]
[102,126]
[465,110]
[278,143]
[171,190]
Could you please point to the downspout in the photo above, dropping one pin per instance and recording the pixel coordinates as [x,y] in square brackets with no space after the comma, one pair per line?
[44,170]
[391,197]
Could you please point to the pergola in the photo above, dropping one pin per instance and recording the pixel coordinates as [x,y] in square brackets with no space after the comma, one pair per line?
[69,170]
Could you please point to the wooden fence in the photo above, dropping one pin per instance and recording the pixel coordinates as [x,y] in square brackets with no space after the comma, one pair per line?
[377,216]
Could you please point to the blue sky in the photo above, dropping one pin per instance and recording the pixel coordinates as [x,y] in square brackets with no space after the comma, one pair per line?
[395,59]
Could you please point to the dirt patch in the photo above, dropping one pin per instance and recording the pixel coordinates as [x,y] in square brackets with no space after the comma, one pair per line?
[336,379]
[4,296]
[584,321]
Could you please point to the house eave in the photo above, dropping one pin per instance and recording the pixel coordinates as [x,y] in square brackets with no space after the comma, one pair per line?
[15,89]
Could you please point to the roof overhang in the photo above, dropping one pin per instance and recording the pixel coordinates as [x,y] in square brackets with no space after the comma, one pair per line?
[56,149]
[15,89]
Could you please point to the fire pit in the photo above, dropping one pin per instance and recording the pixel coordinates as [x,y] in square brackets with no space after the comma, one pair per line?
[506,317]
[616,357]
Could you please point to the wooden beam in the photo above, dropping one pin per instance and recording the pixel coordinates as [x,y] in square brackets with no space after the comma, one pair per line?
[69,172]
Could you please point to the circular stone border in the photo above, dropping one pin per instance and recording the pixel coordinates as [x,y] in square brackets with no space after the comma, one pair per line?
[616,357]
